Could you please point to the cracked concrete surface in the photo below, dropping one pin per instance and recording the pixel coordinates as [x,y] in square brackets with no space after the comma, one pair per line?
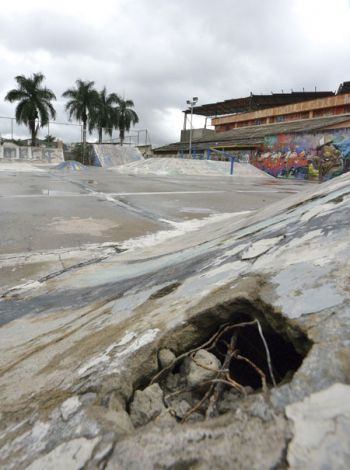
[76,345]
[321,429]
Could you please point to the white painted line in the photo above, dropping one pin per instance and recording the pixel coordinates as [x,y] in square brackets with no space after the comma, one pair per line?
[264,191]
[21,196]
[99,194]
[162,192]
[155,193]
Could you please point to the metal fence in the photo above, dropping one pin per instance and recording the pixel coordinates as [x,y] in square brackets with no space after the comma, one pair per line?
[70,132]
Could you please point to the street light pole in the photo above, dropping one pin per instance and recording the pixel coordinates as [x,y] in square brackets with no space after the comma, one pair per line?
[191,103]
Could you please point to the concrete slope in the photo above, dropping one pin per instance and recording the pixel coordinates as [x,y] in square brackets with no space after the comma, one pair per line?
[74,366]
[15,166]
[108,155]
[180,166]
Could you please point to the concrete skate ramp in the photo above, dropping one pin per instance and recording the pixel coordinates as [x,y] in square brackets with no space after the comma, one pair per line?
[83,340]
[70,165]
[108,155]
[16,166]
[180,166]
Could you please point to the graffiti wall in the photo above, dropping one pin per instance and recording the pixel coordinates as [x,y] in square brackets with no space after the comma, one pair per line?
[321,155]
[10,151]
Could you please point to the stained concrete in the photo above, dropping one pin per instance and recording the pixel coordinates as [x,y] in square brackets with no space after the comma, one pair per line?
[91,334]
[52,220]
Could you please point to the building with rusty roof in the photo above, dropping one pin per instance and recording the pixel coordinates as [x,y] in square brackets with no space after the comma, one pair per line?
[279,132]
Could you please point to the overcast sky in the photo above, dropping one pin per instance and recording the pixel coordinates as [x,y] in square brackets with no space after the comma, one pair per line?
[159,53]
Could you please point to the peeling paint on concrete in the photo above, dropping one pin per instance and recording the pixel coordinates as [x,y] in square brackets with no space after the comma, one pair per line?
[71,455]
[260,247]
[297,292]
[69,407]
[95,329]
[109,356]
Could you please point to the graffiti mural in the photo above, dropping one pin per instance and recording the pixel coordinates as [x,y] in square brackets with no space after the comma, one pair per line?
[10,151]
[321,155]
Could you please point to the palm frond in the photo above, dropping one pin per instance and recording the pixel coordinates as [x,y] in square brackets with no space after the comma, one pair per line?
[15,95]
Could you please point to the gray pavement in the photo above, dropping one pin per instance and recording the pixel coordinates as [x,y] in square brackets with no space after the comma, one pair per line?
[55,209]
[81,329]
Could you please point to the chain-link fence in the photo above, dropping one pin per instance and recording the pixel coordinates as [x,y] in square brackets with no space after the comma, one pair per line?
[69,132]
[64,131]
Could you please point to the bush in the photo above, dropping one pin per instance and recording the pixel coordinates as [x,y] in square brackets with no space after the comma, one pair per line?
[77,154]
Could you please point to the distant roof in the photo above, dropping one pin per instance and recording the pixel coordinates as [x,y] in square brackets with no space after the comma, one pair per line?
[255,102]
[344,88]
[253,136]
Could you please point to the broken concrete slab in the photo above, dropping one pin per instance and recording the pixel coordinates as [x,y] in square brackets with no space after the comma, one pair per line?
[201,367]
[97,329]
[146,405]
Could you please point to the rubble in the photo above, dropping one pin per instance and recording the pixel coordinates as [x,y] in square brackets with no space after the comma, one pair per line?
[146,405]
[166,357]
[202,367]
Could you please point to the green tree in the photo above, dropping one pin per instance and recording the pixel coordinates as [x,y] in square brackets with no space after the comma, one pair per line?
[124,117]
[50,140]
[103,114]
[34,108]
[84,156]
[83,100]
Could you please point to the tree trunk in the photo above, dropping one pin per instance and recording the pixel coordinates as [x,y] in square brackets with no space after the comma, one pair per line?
[100,135]
[121,136]
[34,129]
[33,136]
[84,141]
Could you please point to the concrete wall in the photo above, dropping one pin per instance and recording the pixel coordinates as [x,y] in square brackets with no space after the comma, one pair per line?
[196,134]
[319,155]
[146,150]
[10,151]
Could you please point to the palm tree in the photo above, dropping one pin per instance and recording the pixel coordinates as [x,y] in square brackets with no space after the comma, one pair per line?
[103,114]
[34,108]
[124,117]
[82,104]
[49,140]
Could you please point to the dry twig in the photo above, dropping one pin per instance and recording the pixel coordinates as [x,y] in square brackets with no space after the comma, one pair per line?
[268,357]
[218,371]
[223,376]
[199,404]
[255,367]
[212,409]
[184,355]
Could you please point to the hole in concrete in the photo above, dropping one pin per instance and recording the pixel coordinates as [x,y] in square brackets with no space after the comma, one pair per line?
[285,359]
[231,351]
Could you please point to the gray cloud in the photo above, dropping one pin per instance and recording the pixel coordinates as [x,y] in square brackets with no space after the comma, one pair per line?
[160,53]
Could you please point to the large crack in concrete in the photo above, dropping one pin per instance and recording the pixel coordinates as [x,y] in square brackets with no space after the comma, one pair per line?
[92,347]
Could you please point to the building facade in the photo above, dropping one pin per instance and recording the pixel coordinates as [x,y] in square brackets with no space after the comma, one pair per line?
[290,135]
[320,107]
